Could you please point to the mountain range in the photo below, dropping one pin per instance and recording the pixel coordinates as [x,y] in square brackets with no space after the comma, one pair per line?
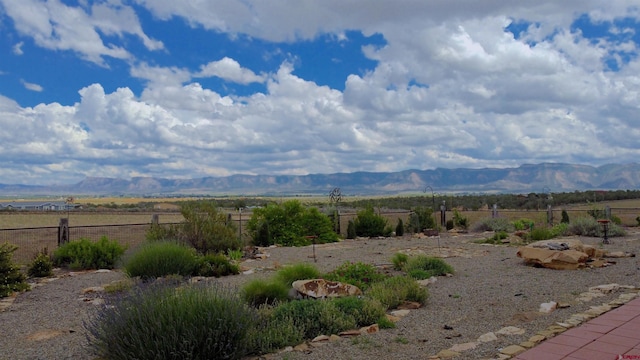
[545,177]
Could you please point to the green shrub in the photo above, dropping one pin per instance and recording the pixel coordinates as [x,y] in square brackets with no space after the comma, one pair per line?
[215,265]
[523,224]
[449,224]
[162,232]
[269,334]
[565,217]
[263,236]
[399,260]
[591,227]
[393,291]
[370,224]
[422,218]
[400,228]
[365,311]
[41,266]
[301,271]
[161,322]
[11,279]
[616,220]
[496,239]
[559,229]
[207,229]
[84,254]
[426,267]
[314,317]
[160,259]
[541,233]
[358,274]
[460,221]
[290,224]
[492,224]
[260,292]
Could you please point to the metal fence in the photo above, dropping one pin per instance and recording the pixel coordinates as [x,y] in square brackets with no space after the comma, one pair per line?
[31,241]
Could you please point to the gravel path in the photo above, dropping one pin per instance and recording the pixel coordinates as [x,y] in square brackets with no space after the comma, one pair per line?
[492,288]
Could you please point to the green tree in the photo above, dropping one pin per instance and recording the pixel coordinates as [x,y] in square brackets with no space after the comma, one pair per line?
[400,228]
[207,229]
[424,219]
[368,223]
[565,217]
[290,224]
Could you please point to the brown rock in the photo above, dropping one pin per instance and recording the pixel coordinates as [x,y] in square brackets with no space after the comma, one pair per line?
[321,288]
[409,305]
[350,333]
[370,329]
[553,259]
[45,335]
[447,354]
[513,350]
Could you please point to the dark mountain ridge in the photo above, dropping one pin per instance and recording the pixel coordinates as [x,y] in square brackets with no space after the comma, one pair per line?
[546,177]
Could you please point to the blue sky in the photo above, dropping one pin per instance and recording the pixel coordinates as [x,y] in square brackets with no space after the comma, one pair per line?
[188,89]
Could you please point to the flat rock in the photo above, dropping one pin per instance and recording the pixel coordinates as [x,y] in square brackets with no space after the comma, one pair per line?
[447,354]
[488,337]
[553,259]
[464,347]
[46,334]
[513,350]
[510,330]
[400,313]
[548,307]
[409,305]
[371,329]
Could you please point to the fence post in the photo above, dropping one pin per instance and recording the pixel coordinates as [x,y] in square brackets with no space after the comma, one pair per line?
[155,219]
[63,231]
[549,216]
[607,212]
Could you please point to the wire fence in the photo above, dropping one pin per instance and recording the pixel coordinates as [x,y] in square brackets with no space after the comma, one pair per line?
[31,241]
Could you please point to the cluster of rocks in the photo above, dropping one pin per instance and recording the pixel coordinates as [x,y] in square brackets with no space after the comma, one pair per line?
[574,320]
[570,254]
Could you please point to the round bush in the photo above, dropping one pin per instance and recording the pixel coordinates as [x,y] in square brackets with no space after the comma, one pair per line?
[216,265]
[159,259]
[301,271]
[259,292]
[163,322]
[395,290]
[41,266]
[431,265]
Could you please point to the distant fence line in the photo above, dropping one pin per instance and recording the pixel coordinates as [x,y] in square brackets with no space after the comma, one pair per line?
[32,240]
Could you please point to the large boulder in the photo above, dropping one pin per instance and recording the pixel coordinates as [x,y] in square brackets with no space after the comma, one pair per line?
[553,259]
[321,288]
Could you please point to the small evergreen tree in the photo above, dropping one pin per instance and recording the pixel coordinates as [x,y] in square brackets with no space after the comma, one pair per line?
[368,223]
[11,279]
[565,217]
[400,228]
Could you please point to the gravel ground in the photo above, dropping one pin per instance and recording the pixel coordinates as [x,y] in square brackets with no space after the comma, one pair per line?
[491,288]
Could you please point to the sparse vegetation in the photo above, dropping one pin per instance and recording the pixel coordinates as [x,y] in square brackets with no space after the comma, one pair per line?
[393,291]
[424,267]
[84,254]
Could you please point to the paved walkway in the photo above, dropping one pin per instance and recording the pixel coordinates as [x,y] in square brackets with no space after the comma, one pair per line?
[612,335]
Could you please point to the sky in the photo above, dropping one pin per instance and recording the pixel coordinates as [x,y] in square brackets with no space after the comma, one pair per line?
[191,89]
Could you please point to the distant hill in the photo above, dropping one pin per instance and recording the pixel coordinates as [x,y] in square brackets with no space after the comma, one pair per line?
[523,179]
